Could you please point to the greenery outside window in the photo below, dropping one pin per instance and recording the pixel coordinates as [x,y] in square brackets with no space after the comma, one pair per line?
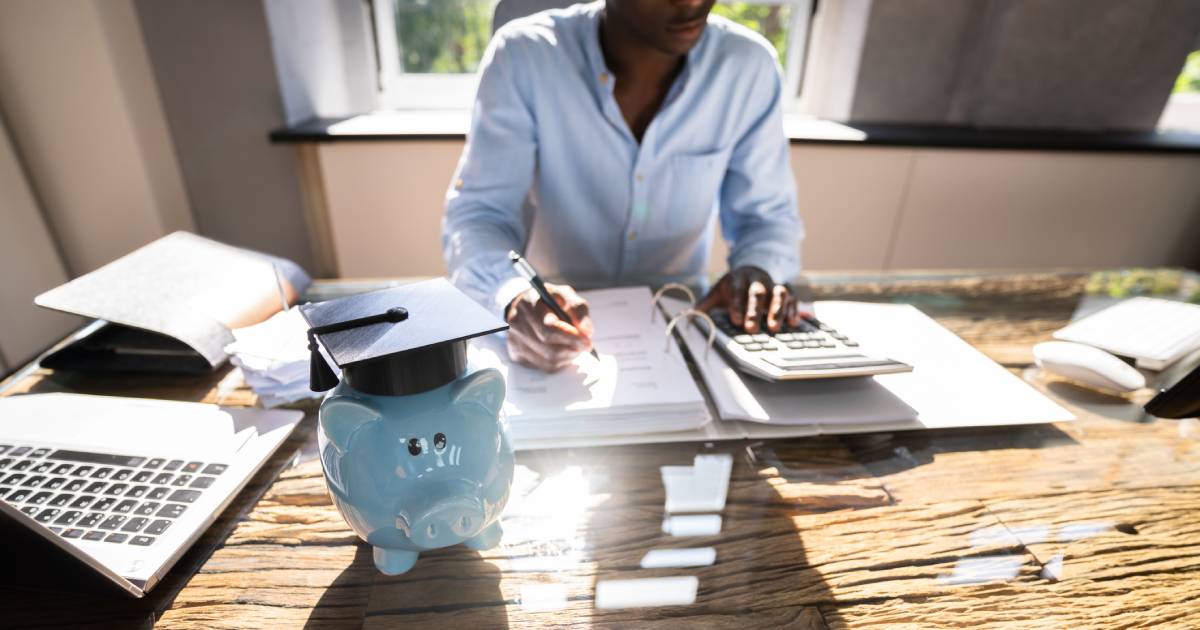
[429,50]
[1183,107]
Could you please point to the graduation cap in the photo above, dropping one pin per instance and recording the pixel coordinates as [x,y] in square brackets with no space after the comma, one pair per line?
[398,341]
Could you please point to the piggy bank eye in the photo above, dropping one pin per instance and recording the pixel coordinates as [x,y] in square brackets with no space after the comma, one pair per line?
[439,441]
[414,446]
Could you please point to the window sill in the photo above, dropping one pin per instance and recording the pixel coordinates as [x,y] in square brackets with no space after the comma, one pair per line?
[453,125]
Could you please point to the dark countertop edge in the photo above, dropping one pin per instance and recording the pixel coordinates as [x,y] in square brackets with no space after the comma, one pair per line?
[317,130]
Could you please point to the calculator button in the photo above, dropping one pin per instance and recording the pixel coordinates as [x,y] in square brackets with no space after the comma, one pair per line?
[827,344]
[762,337]
[744,339]
[812,344]
[851,344]
[753,347]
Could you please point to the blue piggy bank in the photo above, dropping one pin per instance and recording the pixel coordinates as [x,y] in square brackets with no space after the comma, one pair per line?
[416,472]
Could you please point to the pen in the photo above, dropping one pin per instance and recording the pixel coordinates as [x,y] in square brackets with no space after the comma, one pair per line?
[529,273]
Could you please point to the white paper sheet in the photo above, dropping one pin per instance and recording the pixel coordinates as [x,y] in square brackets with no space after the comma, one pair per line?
[639,385]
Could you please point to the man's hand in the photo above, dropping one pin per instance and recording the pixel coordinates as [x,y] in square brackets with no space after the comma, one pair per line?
[753,300]
[538,338]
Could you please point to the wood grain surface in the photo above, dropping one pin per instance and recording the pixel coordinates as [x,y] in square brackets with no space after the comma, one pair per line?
[1084,524]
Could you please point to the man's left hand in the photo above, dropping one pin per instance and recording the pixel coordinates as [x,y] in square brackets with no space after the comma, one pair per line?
[754,301]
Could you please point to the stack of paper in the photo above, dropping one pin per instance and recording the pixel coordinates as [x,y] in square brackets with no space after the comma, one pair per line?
[274,358]
[639,385]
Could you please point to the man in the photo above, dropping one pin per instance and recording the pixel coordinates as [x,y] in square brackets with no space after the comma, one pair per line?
[604,139]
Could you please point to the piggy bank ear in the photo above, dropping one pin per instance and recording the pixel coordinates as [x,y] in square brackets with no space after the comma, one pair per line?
[341,416]
[484,388]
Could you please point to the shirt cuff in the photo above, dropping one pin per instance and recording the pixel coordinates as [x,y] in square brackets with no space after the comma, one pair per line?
[781,268]
[508,291]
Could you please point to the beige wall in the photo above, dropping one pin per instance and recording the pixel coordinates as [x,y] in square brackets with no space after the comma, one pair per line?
[863,207]
[29,265]
[78,95]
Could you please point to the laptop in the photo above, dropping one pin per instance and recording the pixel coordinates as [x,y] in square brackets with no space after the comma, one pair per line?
[119,488]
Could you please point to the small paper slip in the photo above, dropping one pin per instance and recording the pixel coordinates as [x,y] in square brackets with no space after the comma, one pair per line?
[640,384]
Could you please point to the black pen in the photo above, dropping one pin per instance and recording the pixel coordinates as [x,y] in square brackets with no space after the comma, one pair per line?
[529,273]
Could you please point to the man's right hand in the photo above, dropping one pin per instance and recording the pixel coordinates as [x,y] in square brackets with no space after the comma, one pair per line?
[538,338]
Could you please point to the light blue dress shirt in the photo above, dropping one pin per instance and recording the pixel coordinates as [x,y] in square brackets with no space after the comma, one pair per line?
[551,169]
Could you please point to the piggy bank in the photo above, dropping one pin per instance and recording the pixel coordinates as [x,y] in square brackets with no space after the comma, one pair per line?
[421,471]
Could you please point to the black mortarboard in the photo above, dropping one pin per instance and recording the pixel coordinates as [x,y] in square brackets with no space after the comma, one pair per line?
[398,341]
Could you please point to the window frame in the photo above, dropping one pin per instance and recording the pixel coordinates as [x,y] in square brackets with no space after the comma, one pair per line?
[400,91]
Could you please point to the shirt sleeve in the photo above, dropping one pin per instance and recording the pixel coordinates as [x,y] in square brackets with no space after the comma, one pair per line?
[758,211]
[483,212]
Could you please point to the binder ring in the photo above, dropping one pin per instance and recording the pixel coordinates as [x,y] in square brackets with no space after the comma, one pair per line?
[690,315]
[670,286]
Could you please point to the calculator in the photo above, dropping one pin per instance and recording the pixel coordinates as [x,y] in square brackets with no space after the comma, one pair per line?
[811,350]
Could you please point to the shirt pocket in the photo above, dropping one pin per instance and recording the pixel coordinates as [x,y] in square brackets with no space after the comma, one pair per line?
[695,181]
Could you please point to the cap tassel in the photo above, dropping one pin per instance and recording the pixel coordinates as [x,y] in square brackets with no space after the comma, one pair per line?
[320,377]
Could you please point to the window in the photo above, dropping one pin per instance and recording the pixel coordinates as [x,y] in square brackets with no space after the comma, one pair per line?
[1183,107]
[429,50]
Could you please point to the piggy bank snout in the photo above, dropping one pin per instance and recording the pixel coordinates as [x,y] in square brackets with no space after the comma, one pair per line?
[447,522]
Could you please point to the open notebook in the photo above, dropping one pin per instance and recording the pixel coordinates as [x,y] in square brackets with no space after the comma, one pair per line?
[639,385]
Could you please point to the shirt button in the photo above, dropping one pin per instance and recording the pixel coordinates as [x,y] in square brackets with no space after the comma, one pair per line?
[639,178]
[604,77]
[633,235]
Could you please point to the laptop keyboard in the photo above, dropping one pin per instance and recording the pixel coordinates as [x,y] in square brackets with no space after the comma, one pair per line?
[119,499]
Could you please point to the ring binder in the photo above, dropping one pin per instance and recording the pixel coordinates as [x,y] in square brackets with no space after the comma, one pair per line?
[690,314]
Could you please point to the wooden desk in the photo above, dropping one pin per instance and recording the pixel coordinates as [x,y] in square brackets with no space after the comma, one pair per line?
[1091,523]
